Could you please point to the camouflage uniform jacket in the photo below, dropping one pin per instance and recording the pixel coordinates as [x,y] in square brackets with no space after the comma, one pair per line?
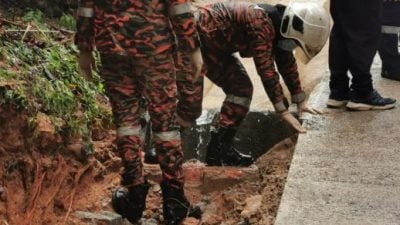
[226,28]
[136,27]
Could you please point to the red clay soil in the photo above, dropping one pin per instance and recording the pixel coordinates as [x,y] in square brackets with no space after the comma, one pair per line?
[42,183]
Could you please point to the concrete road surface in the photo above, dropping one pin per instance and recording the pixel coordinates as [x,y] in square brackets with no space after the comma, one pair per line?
[346,169]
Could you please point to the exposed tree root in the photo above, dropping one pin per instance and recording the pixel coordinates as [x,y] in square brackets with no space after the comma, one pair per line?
[77,178]
[57,180]
[36,189]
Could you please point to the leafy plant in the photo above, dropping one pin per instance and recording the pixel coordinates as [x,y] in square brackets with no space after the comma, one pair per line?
[34,15]
[50,82]
[67,21]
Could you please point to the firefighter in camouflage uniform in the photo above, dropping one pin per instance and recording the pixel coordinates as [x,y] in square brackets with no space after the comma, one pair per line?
[136,42]
[269,35]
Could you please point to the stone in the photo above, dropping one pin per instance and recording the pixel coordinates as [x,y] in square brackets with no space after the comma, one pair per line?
[2,193]
[105,217]
[208,179]
[253,204]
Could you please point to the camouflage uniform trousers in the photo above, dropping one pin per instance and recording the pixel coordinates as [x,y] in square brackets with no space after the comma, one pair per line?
[228,73]
[127,79]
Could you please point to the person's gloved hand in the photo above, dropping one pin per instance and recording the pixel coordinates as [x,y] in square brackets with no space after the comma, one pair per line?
[289,118]
[302,108]
[197,63]
[86,64]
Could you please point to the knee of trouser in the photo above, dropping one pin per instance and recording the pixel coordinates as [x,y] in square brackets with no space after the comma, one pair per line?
[166,136]
[186,119]
[248,90]
[125,131]
[189,112]
[244,89]
[242,101]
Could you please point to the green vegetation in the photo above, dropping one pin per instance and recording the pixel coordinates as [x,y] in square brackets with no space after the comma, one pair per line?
[34,15]
[42,76]
[68,22]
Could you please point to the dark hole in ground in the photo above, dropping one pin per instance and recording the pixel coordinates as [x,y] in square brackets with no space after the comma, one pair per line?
[256,135]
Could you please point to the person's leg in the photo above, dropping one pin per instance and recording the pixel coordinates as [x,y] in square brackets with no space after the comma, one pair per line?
[122,90]
[362,28]
[390,55]
[389,49]
[161,94]
[231,76]
[338,66]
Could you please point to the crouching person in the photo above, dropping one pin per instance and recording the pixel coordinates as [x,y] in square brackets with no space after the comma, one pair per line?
[268,34]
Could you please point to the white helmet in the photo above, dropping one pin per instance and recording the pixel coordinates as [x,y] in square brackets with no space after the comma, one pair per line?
[308,23]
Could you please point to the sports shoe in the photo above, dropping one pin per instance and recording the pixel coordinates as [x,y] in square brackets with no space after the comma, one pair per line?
[336,101]
[372,102]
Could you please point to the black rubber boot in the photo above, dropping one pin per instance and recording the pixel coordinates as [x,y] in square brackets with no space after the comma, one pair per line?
[150,157]
[221,153]
[175,205]
[130,203]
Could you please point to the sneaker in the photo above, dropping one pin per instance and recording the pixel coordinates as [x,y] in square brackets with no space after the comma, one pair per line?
[373,102]
[337,101]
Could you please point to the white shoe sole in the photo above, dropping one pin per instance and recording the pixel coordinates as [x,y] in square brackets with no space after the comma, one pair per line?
[366,107]
[332,103]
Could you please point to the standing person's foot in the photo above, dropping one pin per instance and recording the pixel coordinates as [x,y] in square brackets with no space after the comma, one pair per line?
[130,202]
[391,76]
[337,101]
[176,207]
[372,102]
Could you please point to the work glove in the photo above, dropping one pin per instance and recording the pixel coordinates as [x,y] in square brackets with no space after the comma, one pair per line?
[86,64]
[290,119]
[197,63]
[302,108]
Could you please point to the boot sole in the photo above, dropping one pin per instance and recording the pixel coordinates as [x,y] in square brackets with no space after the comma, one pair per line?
[365,107]
[332,103]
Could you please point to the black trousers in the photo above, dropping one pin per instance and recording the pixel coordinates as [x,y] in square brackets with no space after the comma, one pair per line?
[354,41]
[389,48]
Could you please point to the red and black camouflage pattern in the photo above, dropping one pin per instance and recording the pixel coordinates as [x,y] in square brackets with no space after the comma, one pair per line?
[230,27]
[135,27]
[190,91]
[125,78]
[136,40]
